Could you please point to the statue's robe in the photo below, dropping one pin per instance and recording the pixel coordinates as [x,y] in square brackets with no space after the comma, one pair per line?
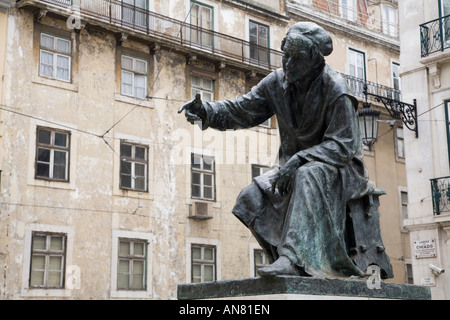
[308,225]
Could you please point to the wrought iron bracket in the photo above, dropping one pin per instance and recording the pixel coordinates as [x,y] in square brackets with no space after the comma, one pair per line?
[398,110]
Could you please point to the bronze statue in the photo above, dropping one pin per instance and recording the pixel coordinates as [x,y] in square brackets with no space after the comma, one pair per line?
[299,211]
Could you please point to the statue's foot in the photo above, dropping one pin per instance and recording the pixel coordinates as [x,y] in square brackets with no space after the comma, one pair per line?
[283,266]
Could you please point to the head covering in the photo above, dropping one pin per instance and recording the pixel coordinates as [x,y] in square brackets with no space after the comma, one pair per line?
[316,34]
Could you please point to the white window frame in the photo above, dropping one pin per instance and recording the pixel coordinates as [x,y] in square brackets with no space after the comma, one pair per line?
[52,148]
[201,85]
[48,252]
[132,258]
[262,169]
[132,294]
[352,60]
[396,75]
[202,262]
[55,54]
[259,51]
[133,161]
[402,205]
[133,72]
[445,5]
[399,144]
[202,173]
[389,18]
[131,19]
[202,39]
[256,266]
[72,272]
[348,9]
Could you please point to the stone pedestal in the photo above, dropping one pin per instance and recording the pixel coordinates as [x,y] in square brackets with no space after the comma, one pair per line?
[300,288]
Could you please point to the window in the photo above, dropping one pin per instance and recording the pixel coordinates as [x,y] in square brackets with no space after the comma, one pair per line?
[52,154]
[133,166]
[258,170]
[134,77]
[55,57]
[134,12]
[396,80]
[444,10]
[260,259]
[404,204]
[409,273]
[389,20]
[203,263]
[259,42]
[400,143]
[47,260]
[202,183]
[348,9]
[203,86]
[202,20]
[357,64]
[447,121]
[357,69]
[131,271]
[267,123]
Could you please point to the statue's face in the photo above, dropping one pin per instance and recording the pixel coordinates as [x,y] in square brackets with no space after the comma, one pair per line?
[297,60]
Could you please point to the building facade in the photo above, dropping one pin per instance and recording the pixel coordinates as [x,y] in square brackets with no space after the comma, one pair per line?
[106,192]
[425,68]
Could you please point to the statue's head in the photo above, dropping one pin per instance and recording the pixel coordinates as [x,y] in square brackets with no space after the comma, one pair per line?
[304,48]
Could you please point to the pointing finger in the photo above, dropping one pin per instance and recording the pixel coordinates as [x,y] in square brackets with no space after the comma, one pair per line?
[185,106]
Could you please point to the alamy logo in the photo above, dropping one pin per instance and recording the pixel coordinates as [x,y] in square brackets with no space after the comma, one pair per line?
[73,274]
[374,280]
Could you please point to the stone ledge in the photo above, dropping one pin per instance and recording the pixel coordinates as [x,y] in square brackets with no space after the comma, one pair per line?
[285,286]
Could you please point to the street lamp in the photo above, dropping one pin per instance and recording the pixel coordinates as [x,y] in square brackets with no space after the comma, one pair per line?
[368,124]
[398,110]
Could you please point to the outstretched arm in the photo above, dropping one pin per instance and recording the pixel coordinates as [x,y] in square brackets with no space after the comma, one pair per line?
[244,112]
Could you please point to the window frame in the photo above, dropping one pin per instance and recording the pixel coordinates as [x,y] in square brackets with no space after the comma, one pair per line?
[350,59]
[198,34]
[47,253]
[202,262]
[399,144]
[396,79]
[52,148]
[442,13]
[133,160]
[132,258]
[259,48]
[257,266]
[262,170]
[403,204]
[134,72]
[389,20]
[447,121]
[348,12]
[55,53]
[201,88]
[131,8]
[202,172]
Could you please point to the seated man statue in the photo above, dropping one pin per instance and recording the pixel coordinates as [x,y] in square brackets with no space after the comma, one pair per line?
[297,211]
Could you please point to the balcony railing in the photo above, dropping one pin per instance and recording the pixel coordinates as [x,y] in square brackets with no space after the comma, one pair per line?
[357,86]
[440,192]
[435,35]
[366,14]
[157,26]
[147,23]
